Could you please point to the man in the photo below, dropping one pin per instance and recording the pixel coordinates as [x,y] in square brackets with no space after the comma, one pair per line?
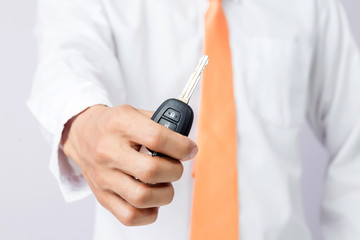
[102,62]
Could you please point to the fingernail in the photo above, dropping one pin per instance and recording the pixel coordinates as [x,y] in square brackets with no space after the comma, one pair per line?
[194,152]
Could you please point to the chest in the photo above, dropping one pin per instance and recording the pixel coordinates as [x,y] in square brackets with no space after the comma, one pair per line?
[159,43]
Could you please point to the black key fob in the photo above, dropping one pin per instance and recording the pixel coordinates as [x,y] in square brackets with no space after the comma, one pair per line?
[175,115]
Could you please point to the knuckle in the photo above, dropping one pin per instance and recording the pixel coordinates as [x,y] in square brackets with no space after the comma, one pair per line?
[112,122]
[130,217]
[142,196]
[151,172]
[116,122]
[100,152]
[155,138]
[136,217]
[119,118]
[125,121]
[125,108]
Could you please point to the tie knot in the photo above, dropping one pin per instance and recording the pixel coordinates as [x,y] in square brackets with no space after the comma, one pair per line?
[215,5]
[215,2]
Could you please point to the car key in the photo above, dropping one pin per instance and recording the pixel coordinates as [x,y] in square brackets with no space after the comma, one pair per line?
[176,114]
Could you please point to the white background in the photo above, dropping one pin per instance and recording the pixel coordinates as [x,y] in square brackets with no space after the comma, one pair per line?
[31,206]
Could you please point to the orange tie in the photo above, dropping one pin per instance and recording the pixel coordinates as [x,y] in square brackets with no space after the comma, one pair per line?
[215,200]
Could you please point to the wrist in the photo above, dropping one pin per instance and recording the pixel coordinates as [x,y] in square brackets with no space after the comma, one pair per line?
[77,120]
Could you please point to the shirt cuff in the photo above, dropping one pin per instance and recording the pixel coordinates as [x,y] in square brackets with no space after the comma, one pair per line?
[67,173]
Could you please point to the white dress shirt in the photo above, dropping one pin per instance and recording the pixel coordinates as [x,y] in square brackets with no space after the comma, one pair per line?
[293,61]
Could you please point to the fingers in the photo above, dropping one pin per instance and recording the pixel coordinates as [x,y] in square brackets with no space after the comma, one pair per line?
[147,168]
[125,212]
[138,194]
[157,170]
[105,143]
[131,201]
[142,166]
[161,139]
[140,129]
[168,142]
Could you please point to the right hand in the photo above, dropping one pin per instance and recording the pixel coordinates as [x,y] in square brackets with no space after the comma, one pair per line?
[105,143]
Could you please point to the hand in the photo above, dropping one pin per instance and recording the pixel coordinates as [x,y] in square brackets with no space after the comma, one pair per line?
[105,143]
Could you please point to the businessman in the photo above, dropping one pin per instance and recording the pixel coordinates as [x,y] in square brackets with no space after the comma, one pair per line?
[274,65]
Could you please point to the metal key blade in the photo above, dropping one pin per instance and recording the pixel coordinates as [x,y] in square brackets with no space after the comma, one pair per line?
[194,80]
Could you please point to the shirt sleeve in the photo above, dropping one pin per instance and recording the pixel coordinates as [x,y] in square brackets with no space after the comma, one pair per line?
[334,115]
[77,69]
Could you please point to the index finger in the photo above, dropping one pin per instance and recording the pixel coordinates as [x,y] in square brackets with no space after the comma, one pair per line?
[158,138]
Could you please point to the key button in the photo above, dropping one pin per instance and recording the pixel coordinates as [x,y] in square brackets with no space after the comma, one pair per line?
[168,124]
[172,114]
